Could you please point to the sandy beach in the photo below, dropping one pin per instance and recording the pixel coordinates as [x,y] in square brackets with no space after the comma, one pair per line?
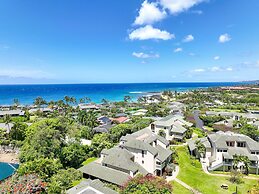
[9,157]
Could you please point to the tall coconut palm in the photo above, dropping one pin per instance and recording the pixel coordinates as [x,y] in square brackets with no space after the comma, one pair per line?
[200,147]
[88,118]
[39,101]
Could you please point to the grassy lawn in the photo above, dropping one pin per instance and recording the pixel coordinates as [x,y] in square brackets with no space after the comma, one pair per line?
[225,110]
[208,128]
[192,174]
[89,160]
[179,189]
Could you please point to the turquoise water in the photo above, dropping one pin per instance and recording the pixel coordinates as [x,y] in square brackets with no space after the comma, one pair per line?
[113,92]
[7,170]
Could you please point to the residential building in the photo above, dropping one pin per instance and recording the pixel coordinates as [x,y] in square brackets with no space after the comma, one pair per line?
[221,148]
[90,187]
[13,113]
[142,152]
[173,126]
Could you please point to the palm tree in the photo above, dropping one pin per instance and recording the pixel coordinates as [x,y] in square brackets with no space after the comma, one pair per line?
[104,101]
[16,102]
[39,101]
[239,159]
[88,118]
[127,98]
[201,148]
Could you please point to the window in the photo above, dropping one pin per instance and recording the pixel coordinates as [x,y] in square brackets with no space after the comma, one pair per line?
[158,163]
[230,143]
[142,161]
[143,153]
[153,127]
[241,144]
[252,152]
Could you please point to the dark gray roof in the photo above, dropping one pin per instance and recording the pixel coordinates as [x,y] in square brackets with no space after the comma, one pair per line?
[102,128]
[220,139]
[90,187]
[146,135]
[163,153]
[140,145]
[120,158]
[104,173]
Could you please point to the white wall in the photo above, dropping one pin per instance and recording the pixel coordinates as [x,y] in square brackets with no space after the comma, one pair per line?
[149,160]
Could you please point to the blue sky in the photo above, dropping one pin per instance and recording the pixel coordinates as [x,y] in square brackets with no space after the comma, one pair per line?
[65,41]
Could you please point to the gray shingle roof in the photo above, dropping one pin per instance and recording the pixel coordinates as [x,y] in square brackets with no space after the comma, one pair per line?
[140,145]
[104,173]
[84,187]
[221,138]
[146,135]
[120,158]
[163,153]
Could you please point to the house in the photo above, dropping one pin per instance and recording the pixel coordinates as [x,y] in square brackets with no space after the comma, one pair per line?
[90,187]
[140,112]
[103,120]
[120,119]
[221,148]
[151,151]
[13,113]
[103,128]
[172,125]
[176,107]
[236,116]
[43,110]
[142,152]
[6,127]
[88,107]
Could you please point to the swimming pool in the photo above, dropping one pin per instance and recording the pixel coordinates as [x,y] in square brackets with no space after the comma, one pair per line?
[7,169]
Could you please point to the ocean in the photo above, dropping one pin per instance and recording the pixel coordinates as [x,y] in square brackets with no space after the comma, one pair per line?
[96,92]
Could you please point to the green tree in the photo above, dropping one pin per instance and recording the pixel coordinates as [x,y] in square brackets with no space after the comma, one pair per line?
[44,167]
[100,142]
[86,132]
[148,184]
[63,180]
[39,101]
[73,155]
[251,131]
[201,148]
[43,139]
[88,118]
[162,133]
[243,162]
[18,131]
[7,120]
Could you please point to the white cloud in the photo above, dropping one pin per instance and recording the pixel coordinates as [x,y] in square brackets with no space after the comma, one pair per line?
[149,13]
[178,6]
[177,50]
[192,54]
[144,55]
[199,70]
[224,38]
[229,69]
[188,38]
[148,32]
[216,58]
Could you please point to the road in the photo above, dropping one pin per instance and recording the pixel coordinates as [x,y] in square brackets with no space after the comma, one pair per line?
[198,122]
